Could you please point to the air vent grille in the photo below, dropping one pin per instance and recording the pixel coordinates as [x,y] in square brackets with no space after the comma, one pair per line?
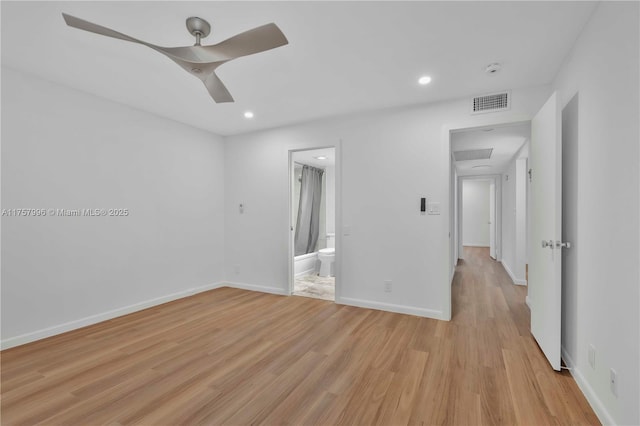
[473,154]
[491,103]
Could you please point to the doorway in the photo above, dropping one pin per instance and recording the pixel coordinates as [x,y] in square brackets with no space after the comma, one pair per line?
[489,192]
[312,218]
[477,217]
[544,240]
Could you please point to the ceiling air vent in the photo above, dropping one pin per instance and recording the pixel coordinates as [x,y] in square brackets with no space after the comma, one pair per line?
[491,102]
[473,154]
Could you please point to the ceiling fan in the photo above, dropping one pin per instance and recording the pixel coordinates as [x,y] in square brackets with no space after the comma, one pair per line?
[202,61]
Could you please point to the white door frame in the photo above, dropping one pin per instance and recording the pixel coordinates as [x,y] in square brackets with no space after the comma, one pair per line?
[338,213]
[497,181]
[493,222]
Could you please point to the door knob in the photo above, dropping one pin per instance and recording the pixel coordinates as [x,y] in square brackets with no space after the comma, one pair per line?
[560,244]
[546,243]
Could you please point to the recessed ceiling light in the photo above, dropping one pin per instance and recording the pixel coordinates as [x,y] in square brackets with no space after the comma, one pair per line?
[248,114]
[320,157]
[482,166]
[424,80]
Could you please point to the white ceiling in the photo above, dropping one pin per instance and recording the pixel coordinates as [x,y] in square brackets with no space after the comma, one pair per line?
[506,141]
[342,57]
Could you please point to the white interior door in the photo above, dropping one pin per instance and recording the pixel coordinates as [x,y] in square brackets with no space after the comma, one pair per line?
[545,269]
[492,220]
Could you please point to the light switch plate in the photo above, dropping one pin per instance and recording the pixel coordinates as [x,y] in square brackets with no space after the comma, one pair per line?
[433,208]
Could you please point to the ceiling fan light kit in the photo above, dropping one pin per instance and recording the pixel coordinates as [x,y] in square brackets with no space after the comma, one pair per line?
[202,61]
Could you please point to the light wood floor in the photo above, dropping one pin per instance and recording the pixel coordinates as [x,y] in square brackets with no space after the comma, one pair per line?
[236,357]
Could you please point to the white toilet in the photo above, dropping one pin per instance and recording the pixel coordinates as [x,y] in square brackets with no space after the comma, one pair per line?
[327,257]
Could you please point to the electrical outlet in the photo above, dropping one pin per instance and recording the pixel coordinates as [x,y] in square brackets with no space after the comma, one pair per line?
[387,286]
[613,381]
[236,269]
[592,356]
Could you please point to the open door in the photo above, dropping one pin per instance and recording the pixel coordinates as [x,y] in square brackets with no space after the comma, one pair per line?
[545,269]
[492,221]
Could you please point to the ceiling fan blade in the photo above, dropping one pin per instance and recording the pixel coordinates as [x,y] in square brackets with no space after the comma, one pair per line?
[81,24]
[217,89]
[249,42]
[183,53]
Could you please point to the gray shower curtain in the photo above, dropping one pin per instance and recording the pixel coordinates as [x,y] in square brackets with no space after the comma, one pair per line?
[308,221]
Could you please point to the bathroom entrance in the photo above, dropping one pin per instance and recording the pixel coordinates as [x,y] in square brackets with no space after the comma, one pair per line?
[313,223]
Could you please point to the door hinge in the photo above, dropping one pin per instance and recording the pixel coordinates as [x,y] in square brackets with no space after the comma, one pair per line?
[530,174]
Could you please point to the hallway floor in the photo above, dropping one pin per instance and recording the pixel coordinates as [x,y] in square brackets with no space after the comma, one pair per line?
[507,375]
[315,286]
[230,356]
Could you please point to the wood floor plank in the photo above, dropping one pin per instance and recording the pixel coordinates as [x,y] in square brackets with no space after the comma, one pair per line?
[231,356]
[179,406]
[399,400]
[268,399]
[525,390]
[226,402]
[106,404]
[324,403]
[495,398]
[366,397]
[432,401]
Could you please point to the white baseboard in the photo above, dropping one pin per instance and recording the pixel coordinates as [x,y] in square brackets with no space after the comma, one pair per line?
[517,281]
[104,316]
[475,245]
[400,309]
[255,287]
[598,407]
[526,301]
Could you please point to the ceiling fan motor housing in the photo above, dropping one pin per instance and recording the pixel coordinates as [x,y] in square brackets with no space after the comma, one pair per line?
[198,27]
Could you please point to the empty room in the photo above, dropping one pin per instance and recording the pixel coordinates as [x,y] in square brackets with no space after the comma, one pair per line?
[355,213]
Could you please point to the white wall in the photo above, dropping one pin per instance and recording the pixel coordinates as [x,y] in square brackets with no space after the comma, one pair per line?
[389,160]
[603,69]
[65,149]
[475,213]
